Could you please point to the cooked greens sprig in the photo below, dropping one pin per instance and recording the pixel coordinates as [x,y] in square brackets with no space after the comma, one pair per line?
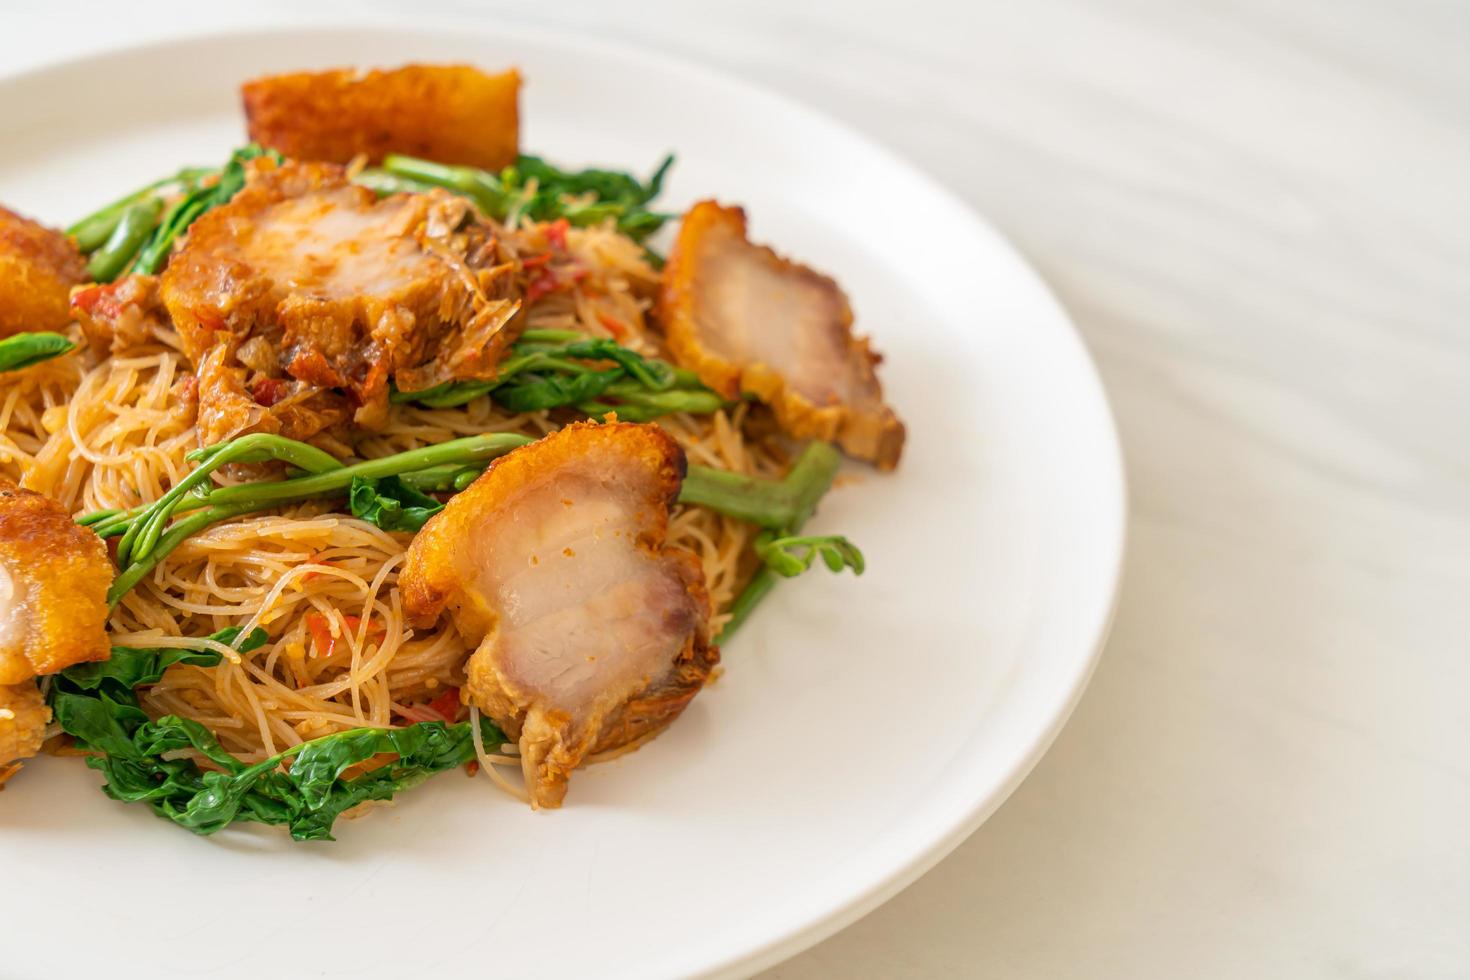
[145,760]
[791,555]
[558,369]
[132,229]
[534,189]
[91,232]
[199,199]
[151,537]
[777,505]
[392,503]
[21,350]
[806,483]
[153,530]
[128,234]
[143,535]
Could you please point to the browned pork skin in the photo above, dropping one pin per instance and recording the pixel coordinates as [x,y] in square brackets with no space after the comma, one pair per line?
[38,267]
[23,718]
[304,296]
[746,320]
[54,576]
[591,634]
[449,113]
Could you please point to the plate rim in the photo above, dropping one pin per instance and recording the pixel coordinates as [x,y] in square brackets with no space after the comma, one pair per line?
[796,936]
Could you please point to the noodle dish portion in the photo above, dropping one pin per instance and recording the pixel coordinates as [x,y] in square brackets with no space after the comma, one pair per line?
[384,448]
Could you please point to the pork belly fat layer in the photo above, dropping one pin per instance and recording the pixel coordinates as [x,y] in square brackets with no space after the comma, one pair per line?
[38,267]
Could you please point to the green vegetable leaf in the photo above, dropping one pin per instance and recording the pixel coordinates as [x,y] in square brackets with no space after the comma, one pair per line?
[91,232]
[128,667]
[134,225]
[24,349]
[98,722]
[321,763]
[391,504]
[548,369]
[534,189]
[154,253]
[143,761]
[790,556]
[586,197]
[532,392]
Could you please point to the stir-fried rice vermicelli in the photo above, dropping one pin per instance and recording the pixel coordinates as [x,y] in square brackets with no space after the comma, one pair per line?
[112,432]
[385,448]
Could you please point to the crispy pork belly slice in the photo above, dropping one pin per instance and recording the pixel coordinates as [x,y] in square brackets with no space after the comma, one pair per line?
[306,296]
[591,634]
[449,113]
[54,576]
[23,718]
[746,320]
[38,267]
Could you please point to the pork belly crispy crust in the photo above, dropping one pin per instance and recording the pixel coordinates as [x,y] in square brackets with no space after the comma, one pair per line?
[449,113]
[746,320]
[54,576]
[23,718]
[38,267]
[304,296]
[591,634]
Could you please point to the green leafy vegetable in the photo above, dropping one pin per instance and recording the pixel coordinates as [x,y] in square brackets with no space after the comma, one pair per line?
[782,508]
[153,254]
[144,534]
[543,373]
[130,232]
[790,556]
[141,759]
[128,667]
[95,703]
[777,505]
[24,349]
[535,189]
[91,232]
[533,391]
[602,193]
[636,404]
[133,228]
[391,504]
[154,530]
[143,528]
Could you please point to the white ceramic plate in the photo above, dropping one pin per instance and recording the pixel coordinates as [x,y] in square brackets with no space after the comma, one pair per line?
[863,727]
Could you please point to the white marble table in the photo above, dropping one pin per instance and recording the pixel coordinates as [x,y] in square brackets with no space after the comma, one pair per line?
[1259,213]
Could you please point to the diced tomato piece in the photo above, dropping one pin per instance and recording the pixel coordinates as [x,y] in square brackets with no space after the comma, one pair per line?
[268,391]
[354,622]
[556,233]
[536,261]
[321,631]
[100,301]
[446,705]
[543,285]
